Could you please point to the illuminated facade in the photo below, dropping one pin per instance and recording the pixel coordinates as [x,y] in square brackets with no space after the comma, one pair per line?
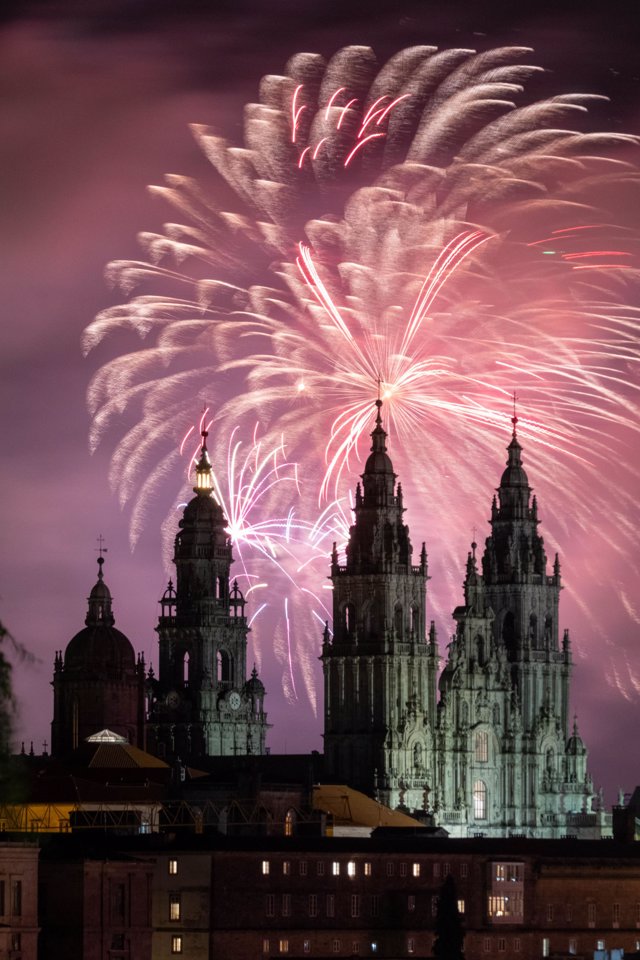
[494,755]
[201,703]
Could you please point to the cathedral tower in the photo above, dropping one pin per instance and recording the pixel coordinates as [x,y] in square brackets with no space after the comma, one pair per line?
[97,683]
[506,760]
[380,666]
[202,703]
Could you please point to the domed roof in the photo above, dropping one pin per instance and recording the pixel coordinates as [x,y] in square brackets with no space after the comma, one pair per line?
[514,475]
[99,651]
[575,744]
[254,686]
[378,461]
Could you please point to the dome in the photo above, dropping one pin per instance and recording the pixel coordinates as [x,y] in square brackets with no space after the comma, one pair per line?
[575,745]
[202,508]
[100,652]
[254,686]
[378,462]
[514,475]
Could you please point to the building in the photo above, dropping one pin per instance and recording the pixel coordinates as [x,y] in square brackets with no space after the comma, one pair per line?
[18,900]
[494,754]
[202,704]
[97,682]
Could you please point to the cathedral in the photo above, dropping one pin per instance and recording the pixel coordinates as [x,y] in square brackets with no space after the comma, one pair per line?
[482,744]
[487,748]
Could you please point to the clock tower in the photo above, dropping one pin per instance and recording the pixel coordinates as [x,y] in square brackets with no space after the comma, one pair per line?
[202,704]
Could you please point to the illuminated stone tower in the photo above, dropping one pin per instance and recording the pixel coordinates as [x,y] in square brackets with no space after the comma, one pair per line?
[97,682]
[202,704]
[380,666]
[506,760]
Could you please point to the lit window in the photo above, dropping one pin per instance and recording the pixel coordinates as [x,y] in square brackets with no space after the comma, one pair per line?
[600,945]
[265,946]
[464,870]
[411,902]
[270,905]
[265,868]
[367,869]
[479,800]
[286,904]
[176,944]
[482,746]
[549,912]
[502,944]
[174,906]
[335,868]
[331,905]
[173,867]
[283,946]
[573,946]
[351,868]
[545,946]
[286,867]
[460,906]
[288,823]
[303,868]
[355,905]
[411,945]
[335,946]
[313,905]
[374,946]
[306,946]
[416,870]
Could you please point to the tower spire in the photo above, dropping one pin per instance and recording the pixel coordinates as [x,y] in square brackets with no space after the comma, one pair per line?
[204,475]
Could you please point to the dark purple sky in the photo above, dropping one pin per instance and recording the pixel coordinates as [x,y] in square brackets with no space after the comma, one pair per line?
[94,107]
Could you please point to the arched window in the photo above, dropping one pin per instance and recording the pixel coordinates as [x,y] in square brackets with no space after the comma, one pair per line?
[398,621]
[289,821]
[349,619]
[224,667]
[482,746]
[509,631]
[185,669]
[479,800]
[414,620]
[533,630]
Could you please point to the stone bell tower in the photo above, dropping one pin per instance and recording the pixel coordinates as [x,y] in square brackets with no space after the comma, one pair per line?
[202,703]
[380,665]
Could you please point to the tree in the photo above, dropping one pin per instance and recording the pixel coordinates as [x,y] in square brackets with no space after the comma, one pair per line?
[449,943]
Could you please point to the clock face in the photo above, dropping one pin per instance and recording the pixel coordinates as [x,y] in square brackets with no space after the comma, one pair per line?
[234,700]
[173,699]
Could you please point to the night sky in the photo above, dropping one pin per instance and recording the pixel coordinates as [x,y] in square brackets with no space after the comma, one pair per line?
[95,105]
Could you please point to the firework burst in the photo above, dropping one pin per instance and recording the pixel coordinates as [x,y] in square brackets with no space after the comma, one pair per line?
[423,230]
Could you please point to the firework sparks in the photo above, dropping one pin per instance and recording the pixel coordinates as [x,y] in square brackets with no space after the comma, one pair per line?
[425,230]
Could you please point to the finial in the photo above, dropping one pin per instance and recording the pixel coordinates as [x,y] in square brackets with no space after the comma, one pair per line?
[514,418]
[378,415]
[204,433]
[100,551]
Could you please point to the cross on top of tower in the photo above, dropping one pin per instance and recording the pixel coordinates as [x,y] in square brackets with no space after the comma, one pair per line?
[514,418]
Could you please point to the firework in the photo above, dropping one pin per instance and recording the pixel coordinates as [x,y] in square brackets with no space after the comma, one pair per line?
[425,231]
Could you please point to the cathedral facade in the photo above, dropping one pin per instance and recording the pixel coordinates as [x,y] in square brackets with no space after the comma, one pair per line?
[488,749]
